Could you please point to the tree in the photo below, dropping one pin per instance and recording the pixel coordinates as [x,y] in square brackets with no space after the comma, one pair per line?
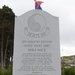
[6,35]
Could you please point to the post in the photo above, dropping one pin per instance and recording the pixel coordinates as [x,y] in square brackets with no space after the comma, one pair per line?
[35,2]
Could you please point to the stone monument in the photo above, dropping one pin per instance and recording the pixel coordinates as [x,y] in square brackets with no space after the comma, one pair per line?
[36,44]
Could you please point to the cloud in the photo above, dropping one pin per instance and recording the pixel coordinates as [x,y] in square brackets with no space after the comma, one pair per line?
[66,13]
[64,9]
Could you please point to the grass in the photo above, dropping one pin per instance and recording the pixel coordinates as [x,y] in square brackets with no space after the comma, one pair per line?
[69,71]
[6,71]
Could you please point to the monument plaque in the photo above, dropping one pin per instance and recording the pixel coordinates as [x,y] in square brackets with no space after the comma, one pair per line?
[36,44]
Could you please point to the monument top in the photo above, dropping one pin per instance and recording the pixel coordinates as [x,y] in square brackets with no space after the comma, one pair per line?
[37,23]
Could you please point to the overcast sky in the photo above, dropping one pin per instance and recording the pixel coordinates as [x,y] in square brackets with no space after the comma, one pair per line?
[64,9]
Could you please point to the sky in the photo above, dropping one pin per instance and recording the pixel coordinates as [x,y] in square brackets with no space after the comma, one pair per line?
[64,9]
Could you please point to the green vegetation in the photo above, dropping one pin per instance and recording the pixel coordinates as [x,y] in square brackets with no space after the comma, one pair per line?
[6,71]
[68,71]
[68,57]
[6,36]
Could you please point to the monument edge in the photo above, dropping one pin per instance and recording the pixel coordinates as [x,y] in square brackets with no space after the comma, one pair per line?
[37,10]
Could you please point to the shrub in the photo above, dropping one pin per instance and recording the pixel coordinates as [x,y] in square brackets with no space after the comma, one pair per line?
[69,71]
[6,71]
